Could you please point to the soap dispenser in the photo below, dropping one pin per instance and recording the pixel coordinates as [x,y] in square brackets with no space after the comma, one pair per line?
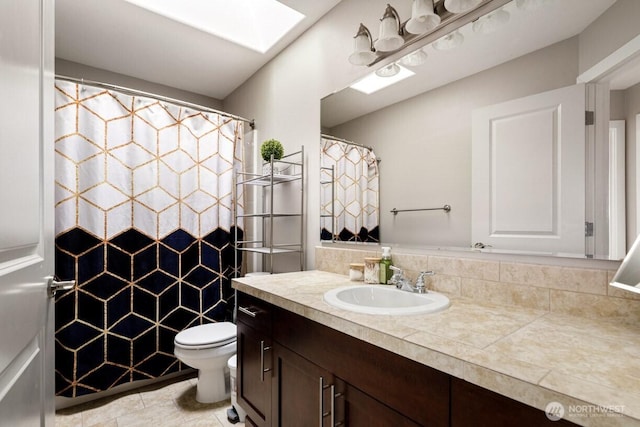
[385,265]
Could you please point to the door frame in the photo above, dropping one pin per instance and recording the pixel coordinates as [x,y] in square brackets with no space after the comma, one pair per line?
[619,63]
[26,258]
[47,105]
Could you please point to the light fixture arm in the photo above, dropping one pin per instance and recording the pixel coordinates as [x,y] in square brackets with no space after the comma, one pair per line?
[391,12]
[364,31]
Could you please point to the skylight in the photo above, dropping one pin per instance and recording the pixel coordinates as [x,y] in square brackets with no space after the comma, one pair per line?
[254,24]
[373,83]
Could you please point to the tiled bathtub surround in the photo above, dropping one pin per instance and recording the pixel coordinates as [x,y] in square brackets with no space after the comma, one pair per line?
[560,289]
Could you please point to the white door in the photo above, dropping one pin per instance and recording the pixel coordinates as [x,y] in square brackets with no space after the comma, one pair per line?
[528,186]
[26,212]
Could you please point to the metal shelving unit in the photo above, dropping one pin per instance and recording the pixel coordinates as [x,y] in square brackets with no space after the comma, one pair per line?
[327,177]
[268,244]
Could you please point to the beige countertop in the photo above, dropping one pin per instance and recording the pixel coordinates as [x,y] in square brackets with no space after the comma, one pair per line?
[591,367]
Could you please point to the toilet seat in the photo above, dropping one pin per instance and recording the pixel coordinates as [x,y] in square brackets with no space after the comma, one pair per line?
[206,336]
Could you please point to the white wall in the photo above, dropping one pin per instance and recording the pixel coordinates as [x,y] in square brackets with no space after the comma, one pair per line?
[430,137]
[81,71]
[612,29]
[625,105]
[631,109]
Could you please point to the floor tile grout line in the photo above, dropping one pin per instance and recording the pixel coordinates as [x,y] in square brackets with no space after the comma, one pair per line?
[168,395]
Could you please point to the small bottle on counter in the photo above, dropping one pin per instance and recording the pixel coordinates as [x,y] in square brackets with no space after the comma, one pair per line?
[372,270]
[356,272]
[385,265]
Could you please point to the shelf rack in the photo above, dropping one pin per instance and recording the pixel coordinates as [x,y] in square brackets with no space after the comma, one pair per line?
[269,183]
[327,177]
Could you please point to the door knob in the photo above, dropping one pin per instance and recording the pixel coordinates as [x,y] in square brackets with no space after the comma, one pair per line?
[54,286]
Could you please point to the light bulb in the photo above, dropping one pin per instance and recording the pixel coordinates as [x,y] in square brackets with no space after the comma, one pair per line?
[388,71]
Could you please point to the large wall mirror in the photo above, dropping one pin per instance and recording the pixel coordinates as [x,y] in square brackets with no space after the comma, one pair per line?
[493,124]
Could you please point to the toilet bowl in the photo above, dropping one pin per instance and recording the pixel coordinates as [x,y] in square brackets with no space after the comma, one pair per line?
[207,348]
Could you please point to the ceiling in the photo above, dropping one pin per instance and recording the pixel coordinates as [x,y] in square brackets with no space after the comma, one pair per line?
[120,37]
[525,32]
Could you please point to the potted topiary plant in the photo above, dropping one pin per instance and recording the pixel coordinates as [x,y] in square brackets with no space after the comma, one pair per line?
[271,147]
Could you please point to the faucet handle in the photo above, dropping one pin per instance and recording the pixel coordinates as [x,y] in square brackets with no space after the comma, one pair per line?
[398,276]
[420,280]
[425,273]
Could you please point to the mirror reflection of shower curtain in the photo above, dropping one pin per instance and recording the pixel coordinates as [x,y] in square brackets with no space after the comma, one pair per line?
[144,225]
[350,207]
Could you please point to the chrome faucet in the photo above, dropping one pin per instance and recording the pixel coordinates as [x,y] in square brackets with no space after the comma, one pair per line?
[401,282]
[397,278]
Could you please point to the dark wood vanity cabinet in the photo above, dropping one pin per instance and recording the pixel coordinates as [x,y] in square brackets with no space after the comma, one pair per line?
[294,372]
[301,391]
[373,386]
[255,351]
[308,395]
[472,405]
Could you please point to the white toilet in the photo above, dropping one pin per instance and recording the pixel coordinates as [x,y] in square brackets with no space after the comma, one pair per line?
[207,348]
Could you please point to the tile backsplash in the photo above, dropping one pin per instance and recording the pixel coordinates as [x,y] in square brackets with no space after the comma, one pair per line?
[556,288]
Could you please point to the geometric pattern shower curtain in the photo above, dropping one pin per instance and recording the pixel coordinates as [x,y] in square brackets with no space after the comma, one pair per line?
[356,201]
[144,225]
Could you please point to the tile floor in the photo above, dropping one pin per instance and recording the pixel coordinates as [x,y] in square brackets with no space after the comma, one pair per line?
[170,404]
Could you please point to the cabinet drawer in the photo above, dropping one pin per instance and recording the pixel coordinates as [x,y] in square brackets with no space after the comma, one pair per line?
[254,312]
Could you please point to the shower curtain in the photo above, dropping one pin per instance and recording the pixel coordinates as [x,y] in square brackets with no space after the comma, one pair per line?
[354,214]
[144,225]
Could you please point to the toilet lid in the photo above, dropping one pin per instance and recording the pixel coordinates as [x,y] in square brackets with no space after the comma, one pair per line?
[210,334]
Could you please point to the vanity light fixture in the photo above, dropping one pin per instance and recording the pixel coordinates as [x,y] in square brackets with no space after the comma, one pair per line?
[372,82]
[491,22]
[415,58]
[423,17]
[428,18]
[388,71]
[363,52]
[448,42]
[531,4]
[390,38]
[460,6]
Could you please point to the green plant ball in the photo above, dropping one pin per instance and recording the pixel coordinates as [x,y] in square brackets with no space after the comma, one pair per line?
[269,147]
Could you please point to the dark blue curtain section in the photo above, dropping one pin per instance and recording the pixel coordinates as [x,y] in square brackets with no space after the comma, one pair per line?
[134,294]
[345,235]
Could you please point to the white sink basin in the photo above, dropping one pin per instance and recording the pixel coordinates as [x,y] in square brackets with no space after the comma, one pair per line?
[381,299]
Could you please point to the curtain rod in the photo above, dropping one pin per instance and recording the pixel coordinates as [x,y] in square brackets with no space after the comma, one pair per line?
[137,92]
[335,138]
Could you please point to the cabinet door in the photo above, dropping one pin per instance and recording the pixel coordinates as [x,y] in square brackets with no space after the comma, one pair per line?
[303,391]
[357,409]
[472,405]
[254,374]
[412,389]
[249,423]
